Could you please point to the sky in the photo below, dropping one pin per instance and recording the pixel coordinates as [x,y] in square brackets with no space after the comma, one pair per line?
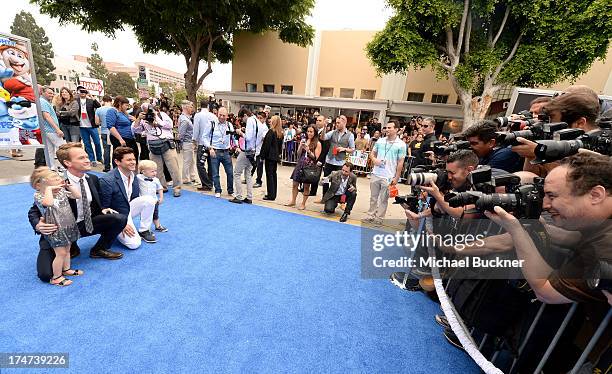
[70,40]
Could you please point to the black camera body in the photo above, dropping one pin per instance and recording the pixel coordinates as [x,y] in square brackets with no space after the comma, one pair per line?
[539,131]
[149,115]
[525,201]
[410,200]
[442,150]
[599,141]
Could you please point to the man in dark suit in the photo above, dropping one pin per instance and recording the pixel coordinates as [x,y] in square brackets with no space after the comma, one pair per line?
[90,217]
[119,190]
[342,189]
[87,124]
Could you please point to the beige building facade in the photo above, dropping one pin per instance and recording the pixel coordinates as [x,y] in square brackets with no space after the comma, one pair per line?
[335,75]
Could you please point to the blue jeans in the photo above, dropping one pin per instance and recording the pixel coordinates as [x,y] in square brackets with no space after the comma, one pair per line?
[88,133]
[222,157]
[107,151]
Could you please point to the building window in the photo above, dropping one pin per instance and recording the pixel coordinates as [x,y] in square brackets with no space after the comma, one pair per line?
[439,99]
[251,87]
[287,90]
[268,88]
[348,93]
[327,92]
[416,96]
[368,94]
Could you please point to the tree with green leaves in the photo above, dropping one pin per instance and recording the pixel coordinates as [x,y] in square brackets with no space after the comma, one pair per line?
[95,65]
[25,25]
[482,45]
[120,84]
[199,30]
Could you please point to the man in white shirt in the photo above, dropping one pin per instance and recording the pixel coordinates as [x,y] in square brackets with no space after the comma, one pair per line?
[246,158]
[388,159]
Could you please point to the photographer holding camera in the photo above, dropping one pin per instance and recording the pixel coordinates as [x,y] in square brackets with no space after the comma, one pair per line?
[158,129]
[483,141]
[253,138]
[218,146]
[578,109]
[577,194]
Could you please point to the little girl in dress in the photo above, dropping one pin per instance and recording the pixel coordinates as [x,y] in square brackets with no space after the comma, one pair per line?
[51,197]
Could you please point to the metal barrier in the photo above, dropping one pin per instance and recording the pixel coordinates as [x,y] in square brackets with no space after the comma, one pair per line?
[289,153]
[466,335]
[360,159]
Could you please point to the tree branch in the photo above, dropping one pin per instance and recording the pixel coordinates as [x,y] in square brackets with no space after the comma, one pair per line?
[209,58]
[468,33]
[501,26]
[510,56]
[449,45]
[466,8]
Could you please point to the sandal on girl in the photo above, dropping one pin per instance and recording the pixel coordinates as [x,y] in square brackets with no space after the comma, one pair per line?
[63,283]
[72,272]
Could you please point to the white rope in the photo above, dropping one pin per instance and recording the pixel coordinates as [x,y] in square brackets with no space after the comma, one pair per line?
[457,325]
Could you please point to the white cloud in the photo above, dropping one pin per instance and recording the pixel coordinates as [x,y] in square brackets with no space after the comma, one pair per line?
[70,40]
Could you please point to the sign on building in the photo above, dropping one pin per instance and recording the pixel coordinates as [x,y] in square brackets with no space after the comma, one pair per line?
[19,105]
[93,85]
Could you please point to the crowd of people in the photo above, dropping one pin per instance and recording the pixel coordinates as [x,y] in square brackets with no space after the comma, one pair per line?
[140,152]
[549,210]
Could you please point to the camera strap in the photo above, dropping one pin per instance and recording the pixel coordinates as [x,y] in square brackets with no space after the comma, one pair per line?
[212,131]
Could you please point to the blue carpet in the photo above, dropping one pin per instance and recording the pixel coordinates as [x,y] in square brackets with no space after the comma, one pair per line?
[230,288]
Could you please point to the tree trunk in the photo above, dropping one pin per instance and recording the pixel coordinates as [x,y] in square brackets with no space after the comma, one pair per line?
[191,86]
[475,108]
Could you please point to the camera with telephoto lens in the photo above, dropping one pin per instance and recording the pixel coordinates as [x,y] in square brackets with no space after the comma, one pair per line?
[599,141]
[481,179]
[525,201]
[149,115]
[482,183]
[438,176]
[443,150]
[515,121]
[539,131]
[600,276]
[410,200]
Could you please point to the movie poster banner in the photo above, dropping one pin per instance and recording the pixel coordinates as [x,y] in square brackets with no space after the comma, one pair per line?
[18,100]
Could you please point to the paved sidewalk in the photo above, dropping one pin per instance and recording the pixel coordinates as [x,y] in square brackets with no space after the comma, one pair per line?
[18,170]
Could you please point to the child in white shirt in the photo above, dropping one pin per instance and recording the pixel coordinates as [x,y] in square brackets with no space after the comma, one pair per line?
[151,186]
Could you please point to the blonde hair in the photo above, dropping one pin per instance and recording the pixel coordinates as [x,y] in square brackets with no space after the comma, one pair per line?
[40,174]
[63,152]
[146,164]
[277,126]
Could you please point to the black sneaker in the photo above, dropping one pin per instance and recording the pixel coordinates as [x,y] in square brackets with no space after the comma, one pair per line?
[235,201]
[442,321]
[148,236]
[247,201]
[161,228]
[452,338]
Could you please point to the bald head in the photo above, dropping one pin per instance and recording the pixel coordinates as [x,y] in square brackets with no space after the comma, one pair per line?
[222,114]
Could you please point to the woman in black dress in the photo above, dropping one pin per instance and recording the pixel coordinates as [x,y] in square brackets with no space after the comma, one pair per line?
[270,151]
[308,152]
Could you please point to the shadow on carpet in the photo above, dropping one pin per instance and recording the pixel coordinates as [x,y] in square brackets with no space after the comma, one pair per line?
[230,288]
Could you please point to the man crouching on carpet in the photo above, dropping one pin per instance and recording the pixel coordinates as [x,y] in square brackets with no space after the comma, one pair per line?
[90,217]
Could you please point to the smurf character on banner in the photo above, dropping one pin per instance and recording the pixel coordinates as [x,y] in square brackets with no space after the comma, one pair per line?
[18,111]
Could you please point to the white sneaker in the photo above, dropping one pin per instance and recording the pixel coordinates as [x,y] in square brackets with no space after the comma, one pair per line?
[217,194]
